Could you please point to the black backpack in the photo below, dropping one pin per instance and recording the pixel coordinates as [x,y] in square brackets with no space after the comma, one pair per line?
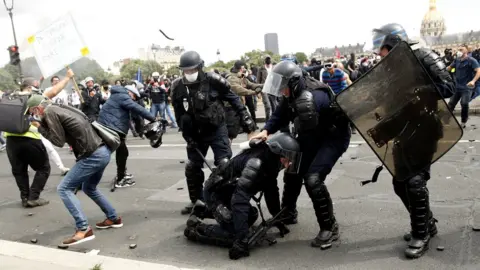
[13,114]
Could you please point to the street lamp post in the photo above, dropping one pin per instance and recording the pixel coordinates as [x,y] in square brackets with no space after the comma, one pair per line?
[9,9]
[218,54]
[154,51]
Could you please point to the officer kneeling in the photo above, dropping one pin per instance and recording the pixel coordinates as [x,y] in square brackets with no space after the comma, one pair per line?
[197,100]
[228,192]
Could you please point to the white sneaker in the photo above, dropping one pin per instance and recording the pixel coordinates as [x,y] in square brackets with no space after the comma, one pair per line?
[64,170]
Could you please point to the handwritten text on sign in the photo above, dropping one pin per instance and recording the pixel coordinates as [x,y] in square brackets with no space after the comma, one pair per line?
[58,45]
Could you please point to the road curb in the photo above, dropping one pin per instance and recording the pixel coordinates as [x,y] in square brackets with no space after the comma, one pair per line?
[71,259]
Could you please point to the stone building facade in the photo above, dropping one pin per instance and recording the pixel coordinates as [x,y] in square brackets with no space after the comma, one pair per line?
[433,30]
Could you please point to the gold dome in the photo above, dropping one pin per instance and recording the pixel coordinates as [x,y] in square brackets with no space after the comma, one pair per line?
[433,14]
[433,23]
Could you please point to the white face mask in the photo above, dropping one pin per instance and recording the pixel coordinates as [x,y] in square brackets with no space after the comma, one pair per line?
[459,54]
[191,77]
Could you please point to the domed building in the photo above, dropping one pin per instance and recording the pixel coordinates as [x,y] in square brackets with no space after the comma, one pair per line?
[433,23]
[433,30]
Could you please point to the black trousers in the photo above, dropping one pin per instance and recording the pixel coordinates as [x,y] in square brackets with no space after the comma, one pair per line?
[249,102]
[121,156]
[23,152]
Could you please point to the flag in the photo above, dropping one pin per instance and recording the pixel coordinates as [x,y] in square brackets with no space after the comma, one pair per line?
[337,53]
[138,77]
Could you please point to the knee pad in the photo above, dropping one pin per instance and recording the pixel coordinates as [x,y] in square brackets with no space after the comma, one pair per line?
[222,214]
[221,163]
[314,184]
[313,180]
[416,182]
[192,169]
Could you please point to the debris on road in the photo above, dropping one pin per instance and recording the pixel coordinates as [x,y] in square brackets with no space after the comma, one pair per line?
[440,248]
[93,252]
[133,246]
[34,240]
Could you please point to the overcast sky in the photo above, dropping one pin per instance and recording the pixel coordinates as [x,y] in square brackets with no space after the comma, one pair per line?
[115,29]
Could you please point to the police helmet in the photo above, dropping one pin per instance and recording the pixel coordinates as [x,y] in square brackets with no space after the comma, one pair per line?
[190,60]
[289,57]
[388,36]
[284,145]
[154,132]
[284,74]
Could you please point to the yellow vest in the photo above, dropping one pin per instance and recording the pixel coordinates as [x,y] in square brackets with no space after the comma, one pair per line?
[31,133]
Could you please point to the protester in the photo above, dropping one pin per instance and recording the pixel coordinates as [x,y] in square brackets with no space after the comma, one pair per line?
[60,125]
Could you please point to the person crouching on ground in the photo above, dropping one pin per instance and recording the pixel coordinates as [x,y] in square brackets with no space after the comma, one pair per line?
[63,124]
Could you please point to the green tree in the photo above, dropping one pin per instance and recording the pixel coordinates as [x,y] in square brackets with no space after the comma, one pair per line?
[129,70]
[7,82]
[173,70]
[301,57]
[257,57]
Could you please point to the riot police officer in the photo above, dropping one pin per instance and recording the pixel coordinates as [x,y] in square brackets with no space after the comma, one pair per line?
[323,133]
[197,100]
[413,190]
[228,192]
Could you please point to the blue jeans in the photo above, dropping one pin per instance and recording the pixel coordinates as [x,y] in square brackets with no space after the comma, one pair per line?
[158,108]
[464,97]
[87,171]
[171,116]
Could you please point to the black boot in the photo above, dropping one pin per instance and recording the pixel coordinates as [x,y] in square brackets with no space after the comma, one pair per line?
[200,209]
[291,190]
[420,217]
[322,203]
[195,178]
[239,250]
[187,210]
[326,237]
[432,229]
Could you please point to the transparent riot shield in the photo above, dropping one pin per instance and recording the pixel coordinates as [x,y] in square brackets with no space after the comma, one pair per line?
[399,112]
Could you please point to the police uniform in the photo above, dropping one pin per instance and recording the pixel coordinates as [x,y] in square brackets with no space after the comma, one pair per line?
[412,190]
[198,104]
[228,192]
[324,135]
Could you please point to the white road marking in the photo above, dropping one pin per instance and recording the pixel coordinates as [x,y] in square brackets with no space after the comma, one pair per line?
[352,144]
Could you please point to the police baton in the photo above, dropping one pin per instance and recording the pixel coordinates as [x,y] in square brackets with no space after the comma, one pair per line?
[204,159]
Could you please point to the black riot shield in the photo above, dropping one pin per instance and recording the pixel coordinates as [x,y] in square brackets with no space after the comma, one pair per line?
[399,112]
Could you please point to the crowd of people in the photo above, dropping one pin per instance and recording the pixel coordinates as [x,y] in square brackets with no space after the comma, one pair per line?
[211,109]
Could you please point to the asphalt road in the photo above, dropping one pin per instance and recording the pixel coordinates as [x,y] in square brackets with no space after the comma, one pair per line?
[372,219]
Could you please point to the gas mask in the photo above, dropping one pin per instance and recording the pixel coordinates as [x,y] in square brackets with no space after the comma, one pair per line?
[191,77]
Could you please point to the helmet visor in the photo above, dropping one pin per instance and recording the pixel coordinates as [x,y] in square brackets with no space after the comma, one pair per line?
[291,161]
[377,38]
[274,84]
